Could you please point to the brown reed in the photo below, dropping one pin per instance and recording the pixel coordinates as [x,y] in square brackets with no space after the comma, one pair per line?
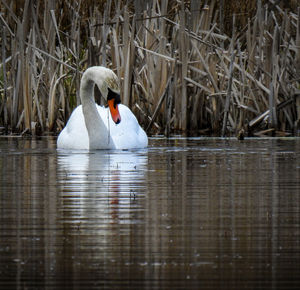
[181,70]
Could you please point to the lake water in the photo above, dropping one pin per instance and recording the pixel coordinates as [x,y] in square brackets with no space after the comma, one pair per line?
[197,213]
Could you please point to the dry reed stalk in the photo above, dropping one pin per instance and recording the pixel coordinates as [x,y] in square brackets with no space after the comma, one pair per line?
[297,122]
[116,58]
[273,97]
[19,76]
[243,102]
[161,99]
[169,106]
[161,63]
[183,45]
[36,99]
[26,94]
[3,107]
[228,96]
[129,60]
[52,98]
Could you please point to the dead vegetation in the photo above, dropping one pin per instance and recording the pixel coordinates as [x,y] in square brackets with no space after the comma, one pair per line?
[179,70]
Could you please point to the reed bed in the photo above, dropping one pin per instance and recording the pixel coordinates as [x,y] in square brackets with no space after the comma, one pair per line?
[179,71]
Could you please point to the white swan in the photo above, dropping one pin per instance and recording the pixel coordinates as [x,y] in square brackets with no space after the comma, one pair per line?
[94,127]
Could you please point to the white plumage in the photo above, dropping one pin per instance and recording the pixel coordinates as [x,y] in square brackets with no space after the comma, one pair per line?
[91,126]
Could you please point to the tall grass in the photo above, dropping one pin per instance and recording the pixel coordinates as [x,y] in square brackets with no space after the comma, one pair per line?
[179,70]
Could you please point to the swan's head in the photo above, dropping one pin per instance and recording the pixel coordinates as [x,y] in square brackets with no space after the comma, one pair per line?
[108,84]
[112,92]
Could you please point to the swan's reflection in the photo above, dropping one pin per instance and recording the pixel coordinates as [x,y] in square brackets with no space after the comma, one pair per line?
[100,199]
[101,184]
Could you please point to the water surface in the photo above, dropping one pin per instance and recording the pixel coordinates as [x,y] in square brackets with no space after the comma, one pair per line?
[192,213]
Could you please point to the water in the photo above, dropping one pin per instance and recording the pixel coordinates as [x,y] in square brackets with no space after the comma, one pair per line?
[181,214]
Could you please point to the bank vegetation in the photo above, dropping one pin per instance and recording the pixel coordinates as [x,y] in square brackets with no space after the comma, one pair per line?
[188,67]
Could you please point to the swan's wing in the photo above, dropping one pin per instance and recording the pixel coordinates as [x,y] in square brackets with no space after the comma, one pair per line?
[74,135]
[128,133]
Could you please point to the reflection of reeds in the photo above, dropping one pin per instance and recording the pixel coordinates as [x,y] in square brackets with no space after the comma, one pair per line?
[179,71]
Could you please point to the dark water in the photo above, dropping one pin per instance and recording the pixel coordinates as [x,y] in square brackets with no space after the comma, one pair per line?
[182,214]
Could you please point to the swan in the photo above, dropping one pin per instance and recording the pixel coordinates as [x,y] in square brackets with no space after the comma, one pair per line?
[91,126]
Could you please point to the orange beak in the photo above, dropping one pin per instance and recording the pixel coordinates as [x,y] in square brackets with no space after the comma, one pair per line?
[114,111]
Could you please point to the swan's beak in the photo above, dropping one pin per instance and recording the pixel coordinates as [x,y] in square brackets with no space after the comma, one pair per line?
[114,111]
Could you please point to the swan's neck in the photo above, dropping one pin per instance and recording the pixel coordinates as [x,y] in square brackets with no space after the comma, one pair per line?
[99,137]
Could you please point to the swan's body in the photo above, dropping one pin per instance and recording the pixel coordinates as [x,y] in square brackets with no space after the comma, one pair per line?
[127,134]
[92,127]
